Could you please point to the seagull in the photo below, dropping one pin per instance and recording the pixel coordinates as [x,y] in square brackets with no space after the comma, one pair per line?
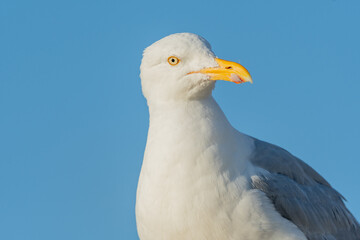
[201,179]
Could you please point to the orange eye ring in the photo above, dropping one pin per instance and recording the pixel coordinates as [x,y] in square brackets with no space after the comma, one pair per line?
[173,60]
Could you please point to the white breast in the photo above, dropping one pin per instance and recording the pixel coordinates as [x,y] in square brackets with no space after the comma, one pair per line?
[194,182]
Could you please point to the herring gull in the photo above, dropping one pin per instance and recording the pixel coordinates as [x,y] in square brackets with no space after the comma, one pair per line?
[201,179]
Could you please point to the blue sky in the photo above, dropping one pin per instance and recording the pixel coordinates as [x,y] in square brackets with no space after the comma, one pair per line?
[73,121]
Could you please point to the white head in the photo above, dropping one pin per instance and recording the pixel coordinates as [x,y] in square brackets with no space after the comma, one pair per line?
[182,66]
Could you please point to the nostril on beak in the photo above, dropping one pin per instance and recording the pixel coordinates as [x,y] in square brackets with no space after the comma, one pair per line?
[228,68]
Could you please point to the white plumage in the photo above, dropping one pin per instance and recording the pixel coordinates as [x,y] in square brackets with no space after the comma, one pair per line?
[201,179]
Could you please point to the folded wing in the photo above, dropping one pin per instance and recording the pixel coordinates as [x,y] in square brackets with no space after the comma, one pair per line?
[302,196]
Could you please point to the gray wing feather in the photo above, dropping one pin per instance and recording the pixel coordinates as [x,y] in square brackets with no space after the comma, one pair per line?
[302,196]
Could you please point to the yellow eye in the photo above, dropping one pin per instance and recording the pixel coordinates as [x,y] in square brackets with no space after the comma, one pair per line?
[173,60]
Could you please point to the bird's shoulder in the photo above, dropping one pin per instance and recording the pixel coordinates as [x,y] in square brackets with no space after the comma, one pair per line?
[302,195]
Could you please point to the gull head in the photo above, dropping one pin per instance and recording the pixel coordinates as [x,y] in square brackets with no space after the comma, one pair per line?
[182,66]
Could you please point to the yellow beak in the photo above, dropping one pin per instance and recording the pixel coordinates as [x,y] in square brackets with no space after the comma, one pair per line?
[228,71]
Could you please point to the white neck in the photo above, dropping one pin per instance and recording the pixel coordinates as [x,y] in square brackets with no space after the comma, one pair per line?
[189,134]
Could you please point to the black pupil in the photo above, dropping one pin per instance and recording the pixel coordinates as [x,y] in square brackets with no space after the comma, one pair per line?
[173,60]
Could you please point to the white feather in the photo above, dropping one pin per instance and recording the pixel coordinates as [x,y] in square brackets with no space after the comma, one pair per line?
[195,178]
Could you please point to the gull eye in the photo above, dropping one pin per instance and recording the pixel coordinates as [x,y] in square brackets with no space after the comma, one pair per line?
[173,60]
